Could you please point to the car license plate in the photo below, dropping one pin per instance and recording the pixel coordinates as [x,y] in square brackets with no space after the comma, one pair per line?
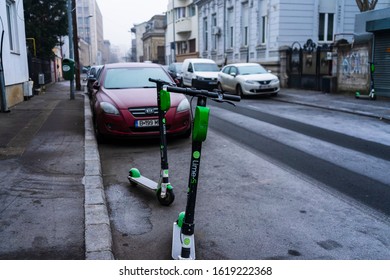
[146,123]
[264,86]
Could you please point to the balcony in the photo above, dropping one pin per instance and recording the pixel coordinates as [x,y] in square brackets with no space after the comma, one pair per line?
[183,25]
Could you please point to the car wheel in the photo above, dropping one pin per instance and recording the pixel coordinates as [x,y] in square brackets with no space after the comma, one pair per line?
[239,91]
[98,135]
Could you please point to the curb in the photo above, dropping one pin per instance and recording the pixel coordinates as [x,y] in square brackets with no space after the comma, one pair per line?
[98,237]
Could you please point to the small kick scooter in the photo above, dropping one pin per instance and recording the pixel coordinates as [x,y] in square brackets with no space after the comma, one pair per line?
[371,95]
[183,243]
[163,188]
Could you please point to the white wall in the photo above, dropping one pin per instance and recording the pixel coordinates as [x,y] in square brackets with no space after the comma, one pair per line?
[15,63]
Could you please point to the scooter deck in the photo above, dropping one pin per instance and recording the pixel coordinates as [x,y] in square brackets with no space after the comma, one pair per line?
[177,243]
[144,182]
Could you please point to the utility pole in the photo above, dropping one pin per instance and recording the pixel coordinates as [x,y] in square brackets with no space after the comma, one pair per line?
[174,33]
[76,45]
[71,52]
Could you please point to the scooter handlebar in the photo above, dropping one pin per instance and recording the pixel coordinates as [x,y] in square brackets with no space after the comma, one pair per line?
[193,92]
[231,97]
[217,95]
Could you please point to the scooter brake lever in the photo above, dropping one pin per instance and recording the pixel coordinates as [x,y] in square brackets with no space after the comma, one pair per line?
[223,101]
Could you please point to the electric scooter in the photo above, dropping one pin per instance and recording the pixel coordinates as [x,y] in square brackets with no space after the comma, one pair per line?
[371,95]
[183,242]
[163,188]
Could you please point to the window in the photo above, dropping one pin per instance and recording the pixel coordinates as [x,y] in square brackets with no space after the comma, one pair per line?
[325,30]
[230,27]
[226,69]
[180,13]
[264,23]
[12,26]
[205,38]
[214,26]
[192,10]
[245,24]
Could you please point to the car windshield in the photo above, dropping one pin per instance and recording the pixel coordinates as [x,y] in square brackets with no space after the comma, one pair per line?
[206,67]
[251,69]
[136,77]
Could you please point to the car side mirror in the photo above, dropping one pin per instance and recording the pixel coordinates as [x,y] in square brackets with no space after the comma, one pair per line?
[233,74]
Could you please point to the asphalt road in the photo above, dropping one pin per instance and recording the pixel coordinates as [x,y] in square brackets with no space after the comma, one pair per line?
[349,182]
[278,181]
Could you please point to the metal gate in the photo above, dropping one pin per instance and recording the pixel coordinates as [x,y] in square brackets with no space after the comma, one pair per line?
[382,63]
[308,65]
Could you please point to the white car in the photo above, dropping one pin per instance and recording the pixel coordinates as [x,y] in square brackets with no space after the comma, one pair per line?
[200,73]
[248,79]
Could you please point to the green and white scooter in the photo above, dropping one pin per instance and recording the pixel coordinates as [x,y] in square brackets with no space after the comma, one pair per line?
[183,242]
[163,188]
[371,95]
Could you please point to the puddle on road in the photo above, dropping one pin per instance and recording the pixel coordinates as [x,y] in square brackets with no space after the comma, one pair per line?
[127,214]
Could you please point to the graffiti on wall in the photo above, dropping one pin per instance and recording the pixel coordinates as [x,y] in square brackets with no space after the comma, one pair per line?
[354,65]
[353,69]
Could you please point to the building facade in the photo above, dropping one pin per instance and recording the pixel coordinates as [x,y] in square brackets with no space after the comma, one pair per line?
[154,40]
[182,30]
[255,30]
[14,80]
[90,30]
[137,50]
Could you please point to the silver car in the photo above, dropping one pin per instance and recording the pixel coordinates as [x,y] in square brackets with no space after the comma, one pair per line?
[248,79]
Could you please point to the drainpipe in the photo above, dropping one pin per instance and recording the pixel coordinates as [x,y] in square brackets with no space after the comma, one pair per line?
[4,107]
[225,33]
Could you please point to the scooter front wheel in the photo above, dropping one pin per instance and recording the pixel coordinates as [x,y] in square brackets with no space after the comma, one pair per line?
[168,199]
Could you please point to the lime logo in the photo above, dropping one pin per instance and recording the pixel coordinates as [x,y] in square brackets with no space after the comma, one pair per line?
[164,121]
[187,241]
[65,68]
[196,155]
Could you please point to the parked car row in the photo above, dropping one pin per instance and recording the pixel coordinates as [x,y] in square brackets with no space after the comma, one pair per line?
[243,79]
[124,101]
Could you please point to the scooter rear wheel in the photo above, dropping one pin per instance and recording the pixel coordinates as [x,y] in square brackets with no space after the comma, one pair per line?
[168,199]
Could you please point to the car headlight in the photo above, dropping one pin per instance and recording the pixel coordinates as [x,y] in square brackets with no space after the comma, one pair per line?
[199,78]
[183,106]
[251,82]
[274,81]
[108,108]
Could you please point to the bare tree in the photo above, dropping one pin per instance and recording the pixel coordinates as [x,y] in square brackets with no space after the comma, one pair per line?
[366,5]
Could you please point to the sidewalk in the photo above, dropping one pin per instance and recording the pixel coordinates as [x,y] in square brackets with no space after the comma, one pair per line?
[52,199]
[347,103]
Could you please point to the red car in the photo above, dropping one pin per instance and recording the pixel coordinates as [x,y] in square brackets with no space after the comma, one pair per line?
[124,103]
